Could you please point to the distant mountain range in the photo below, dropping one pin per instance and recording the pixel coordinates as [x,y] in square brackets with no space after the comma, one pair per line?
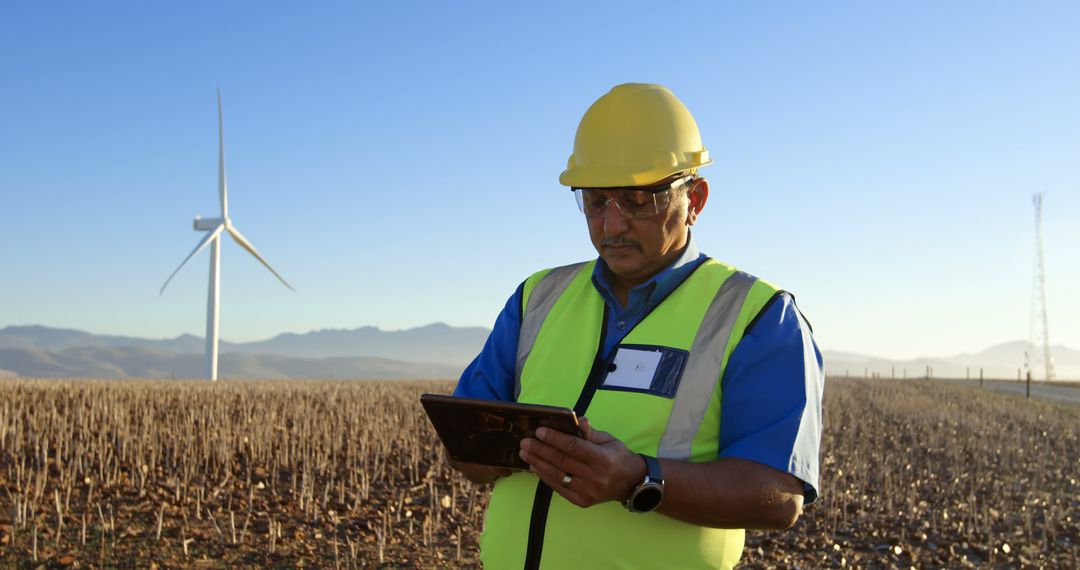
[433,351]
[436,342]
[999,361]
[139,362]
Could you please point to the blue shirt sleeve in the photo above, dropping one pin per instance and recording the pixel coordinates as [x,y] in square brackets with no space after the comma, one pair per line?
[491,374]
[771,396]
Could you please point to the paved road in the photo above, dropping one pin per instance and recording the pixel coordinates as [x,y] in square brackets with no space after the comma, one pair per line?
[1055,393]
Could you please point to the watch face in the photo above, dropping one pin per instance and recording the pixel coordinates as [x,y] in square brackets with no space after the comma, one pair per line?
[648,498]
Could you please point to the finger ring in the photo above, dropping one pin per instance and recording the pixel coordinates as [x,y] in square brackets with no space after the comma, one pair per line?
[567,479]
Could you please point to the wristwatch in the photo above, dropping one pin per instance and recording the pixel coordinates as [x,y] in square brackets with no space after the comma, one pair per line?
[650,492]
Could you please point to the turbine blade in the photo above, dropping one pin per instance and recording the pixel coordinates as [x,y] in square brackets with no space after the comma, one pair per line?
[223,185]
[201,245]
[244,243]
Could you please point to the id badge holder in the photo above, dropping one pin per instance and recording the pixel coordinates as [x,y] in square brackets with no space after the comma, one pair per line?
[648,369]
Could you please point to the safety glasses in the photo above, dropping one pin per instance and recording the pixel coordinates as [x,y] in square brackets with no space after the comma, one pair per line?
[633,203]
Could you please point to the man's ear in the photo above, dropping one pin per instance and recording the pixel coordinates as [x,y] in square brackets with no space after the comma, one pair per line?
[698,194]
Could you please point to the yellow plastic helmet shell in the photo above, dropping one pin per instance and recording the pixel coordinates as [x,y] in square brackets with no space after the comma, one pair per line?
[635,135]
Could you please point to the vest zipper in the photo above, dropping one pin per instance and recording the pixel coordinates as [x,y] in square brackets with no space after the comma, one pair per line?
[542,498]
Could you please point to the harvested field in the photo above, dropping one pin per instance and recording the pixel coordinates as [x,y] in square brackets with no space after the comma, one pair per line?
[925,474]
[126,474]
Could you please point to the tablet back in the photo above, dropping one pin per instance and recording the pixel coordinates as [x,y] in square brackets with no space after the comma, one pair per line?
[489,432]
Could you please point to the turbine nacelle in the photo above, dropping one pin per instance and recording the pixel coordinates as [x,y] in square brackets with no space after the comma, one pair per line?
[207,224]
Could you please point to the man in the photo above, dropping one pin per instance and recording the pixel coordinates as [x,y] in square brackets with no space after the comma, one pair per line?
[705,381]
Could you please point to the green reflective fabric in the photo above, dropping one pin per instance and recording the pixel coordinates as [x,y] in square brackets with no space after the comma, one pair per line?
[554,372]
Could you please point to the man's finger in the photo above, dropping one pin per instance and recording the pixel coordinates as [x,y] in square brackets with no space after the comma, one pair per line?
[568,444]
[569,494]
[586,428]
[533,449]
[594,435]
[546,471]
[553,476]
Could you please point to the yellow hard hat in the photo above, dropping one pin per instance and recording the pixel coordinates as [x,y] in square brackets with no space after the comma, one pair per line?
[634,135]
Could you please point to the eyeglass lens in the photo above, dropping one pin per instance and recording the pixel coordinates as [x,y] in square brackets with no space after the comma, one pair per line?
[633,204]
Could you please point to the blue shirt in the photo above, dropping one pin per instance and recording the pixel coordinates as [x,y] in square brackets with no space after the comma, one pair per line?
[771,405]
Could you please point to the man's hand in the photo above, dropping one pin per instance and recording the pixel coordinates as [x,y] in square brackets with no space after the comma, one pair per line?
[600,467]
[725,493]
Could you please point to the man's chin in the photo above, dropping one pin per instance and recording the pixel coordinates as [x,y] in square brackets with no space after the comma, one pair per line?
[622,264]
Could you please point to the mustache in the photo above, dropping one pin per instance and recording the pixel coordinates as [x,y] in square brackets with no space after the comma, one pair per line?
[618,241]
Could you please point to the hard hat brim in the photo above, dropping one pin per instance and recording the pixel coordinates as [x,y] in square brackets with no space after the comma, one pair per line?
[604,177]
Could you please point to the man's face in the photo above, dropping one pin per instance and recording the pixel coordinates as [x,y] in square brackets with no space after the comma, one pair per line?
[635,250]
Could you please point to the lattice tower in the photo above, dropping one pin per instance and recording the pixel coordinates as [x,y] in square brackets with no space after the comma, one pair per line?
[1037,356]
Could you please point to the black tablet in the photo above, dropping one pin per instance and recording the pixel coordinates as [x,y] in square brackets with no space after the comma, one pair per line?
[489,432]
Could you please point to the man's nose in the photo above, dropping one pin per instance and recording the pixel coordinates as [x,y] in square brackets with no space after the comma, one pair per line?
[614,222]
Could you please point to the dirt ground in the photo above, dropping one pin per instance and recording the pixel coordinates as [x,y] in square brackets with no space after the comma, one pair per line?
[350,475]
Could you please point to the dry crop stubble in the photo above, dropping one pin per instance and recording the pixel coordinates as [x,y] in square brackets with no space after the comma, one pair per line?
[925,474]
[327,474]
[350,475]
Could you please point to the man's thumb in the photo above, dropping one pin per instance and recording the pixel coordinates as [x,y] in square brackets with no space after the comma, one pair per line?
[586,429]
[590,434]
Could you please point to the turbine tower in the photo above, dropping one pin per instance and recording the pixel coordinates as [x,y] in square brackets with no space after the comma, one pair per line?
[1039,331]
[215,227]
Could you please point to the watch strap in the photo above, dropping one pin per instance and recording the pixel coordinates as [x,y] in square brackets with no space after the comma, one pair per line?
[652,468]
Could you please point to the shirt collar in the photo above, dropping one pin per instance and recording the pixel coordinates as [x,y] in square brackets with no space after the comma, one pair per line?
[660,285]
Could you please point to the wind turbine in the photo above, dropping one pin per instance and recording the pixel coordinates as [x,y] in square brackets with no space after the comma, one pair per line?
[215,228]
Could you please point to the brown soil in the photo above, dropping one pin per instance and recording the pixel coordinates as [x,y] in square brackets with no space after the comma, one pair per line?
[350,475]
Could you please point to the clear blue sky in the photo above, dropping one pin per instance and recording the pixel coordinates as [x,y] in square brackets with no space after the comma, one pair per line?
[399,163]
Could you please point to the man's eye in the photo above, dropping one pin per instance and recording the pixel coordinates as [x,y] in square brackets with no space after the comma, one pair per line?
[637,199]
[594,200]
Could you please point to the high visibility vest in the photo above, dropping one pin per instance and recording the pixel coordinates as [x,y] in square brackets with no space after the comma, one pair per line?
[527,525]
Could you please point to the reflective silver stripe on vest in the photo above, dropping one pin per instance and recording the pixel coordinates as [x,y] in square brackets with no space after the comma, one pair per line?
[703,367]
[542,298]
